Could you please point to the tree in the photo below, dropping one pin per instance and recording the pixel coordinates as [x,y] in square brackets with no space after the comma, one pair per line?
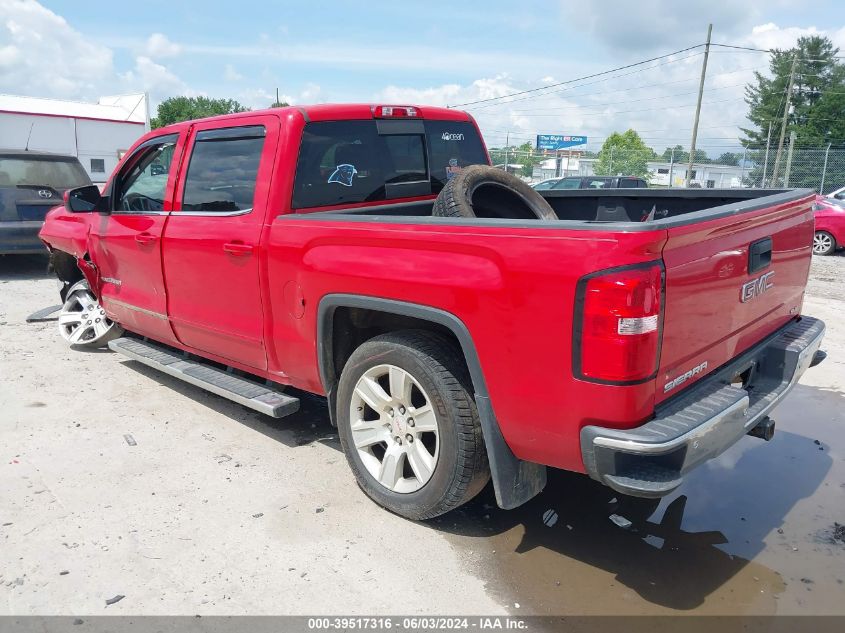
[523,155]
[624,154]
[682,156]
[175,109]
[813,110]
[729,158]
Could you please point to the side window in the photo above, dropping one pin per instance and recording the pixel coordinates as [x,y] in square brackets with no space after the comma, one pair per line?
[568,183]
[628,183]
[223,169]
[141,188]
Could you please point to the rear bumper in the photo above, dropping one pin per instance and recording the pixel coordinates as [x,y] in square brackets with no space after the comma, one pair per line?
[702,422]
[21,238]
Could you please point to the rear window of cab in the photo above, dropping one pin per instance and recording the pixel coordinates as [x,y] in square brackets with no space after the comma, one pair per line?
[344,162]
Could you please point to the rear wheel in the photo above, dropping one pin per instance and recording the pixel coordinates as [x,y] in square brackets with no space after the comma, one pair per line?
[82,320]
[823,243]
[409,426]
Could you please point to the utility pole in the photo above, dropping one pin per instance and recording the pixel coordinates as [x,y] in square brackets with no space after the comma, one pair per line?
[789,158]
[698,105]
[786,107]
[671,166]
[766,161]
[742,169]
[824,169]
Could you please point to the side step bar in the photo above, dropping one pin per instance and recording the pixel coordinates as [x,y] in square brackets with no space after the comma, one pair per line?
[244,391]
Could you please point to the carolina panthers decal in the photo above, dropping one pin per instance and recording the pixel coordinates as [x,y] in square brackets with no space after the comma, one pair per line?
[343,174]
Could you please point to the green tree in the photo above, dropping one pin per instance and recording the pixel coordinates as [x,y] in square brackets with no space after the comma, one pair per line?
[523,155]
[814,112]
[175,109]
[729,158]
[682,156]
[624,154]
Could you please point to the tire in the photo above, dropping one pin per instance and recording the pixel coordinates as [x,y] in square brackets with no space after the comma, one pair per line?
[82,320]
[382,440]
[823,243]
[481,191]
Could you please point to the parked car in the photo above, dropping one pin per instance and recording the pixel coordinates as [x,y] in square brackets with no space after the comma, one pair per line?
[591,182]
[31,183]
[838,194]
[830,225]
[460,325]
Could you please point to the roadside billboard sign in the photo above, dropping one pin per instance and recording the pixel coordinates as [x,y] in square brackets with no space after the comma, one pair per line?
[559,141]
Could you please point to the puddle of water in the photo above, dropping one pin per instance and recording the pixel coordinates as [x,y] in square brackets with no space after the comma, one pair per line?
[749,533]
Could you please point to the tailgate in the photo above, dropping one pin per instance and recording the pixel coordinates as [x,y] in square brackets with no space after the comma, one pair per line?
[723,294]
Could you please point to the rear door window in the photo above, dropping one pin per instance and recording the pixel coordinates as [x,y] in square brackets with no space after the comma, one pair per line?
[223,169]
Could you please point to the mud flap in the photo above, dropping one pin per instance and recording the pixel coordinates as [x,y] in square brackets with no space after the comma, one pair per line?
[514,480]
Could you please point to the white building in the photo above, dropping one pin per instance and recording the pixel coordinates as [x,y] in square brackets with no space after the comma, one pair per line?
[704,175]
[96,133]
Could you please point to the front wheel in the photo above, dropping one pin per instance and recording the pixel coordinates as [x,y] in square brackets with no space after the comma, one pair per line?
[82,320]
[823,243]
[409,425]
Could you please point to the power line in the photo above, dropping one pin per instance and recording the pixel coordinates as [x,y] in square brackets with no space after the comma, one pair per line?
[772,50]
[657,98]
[599,74]
[589,83]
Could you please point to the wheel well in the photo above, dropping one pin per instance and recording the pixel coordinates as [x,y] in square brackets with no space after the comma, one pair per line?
[350,327]
[65,267]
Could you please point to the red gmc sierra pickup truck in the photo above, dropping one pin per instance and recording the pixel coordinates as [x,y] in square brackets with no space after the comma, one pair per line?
[627,334]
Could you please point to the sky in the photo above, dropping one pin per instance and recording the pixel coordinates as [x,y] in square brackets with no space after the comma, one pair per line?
[435,53]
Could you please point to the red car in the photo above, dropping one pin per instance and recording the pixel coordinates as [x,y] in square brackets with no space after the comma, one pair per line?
[461,326]
[830,225]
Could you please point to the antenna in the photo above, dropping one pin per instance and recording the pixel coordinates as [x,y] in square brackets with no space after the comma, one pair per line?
[28,136]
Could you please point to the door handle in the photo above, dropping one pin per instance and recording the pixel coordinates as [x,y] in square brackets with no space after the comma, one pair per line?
[237,248]
[145,238]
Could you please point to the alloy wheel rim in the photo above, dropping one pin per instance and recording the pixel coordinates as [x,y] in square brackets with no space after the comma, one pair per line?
[394,428]
[821,243]
[82,318]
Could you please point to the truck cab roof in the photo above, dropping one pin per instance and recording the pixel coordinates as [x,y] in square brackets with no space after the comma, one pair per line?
[334,112]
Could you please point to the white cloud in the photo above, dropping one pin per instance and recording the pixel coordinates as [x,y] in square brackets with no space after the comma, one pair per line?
[771,35]
[159,46]
[231,74]
[154,78]
[41,54]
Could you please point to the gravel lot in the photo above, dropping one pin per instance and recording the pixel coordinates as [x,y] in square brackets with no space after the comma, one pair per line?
[218,510]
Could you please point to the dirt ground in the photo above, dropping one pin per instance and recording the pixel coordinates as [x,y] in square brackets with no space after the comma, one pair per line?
[219,510]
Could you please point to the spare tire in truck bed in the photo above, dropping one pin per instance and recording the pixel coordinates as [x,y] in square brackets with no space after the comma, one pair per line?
[481,191]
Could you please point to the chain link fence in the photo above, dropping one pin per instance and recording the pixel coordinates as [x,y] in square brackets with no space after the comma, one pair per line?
[818,168]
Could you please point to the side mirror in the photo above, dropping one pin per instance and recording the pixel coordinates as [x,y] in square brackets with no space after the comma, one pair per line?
[84,199]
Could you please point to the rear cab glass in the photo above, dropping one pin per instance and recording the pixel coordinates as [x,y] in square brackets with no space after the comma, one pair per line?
[345,162]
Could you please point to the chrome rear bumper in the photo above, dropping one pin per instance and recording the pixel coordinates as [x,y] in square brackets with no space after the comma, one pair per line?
[706,419]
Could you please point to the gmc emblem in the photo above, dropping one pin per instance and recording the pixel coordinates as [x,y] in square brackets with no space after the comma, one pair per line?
[756,287]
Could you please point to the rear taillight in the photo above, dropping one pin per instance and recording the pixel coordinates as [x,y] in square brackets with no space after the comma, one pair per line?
[619,324]
[395,112]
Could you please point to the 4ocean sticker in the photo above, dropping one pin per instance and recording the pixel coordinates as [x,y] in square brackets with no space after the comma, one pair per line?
[343,174]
